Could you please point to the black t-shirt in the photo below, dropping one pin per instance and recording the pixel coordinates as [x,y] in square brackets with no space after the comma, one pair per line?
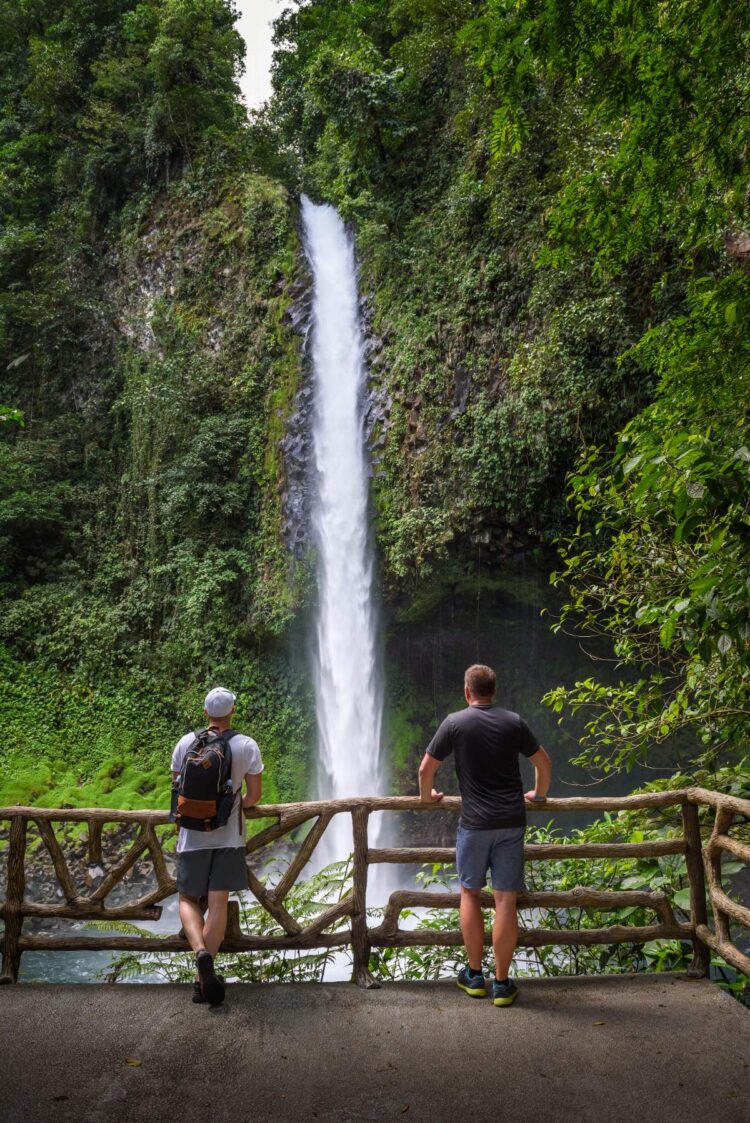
[486,741]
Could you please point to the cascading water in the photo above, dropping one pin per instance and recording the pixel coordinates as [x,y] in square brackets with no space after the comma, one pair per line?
[347,684]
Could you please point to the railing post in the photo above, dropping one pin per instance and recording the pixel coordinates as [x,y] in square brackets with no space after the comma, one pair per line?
[14,900]
[712,863]
[697,882]
[95,842]
[360,943]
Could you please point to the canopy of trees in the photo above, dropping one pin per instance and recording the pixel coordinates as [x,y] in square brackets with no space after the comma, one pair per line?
[551,206]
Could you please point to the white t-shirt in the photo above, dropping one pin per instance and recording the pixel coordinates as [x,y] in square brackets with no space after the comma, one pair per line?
[245,759]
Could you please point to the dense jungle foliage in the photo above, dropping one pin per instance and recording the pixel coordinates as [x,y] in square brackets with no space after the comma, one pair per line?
[552,204]
[551,207]
[142,254]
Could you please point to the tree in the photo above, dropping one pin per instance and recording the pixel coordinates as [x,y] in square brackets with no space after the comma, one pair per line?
[664,89]
[660,560]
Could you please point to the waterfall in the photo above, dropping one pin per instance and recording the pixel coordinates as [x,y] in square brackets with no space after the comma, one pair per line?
[347,682]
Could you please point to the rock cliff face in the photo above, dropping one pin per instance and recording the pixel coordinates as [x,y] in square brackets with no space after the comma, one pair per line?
[497,539]
[198,394]
[296,442]
[377,411]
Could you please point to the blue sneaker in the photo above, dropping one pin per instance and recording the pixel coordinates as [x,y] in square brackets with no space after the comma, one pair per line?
[474,985]
[503,994]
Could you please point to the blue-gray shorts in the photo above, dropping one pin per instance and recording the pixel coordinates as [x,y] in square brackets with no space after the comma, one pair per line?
[500,851]
[199,871]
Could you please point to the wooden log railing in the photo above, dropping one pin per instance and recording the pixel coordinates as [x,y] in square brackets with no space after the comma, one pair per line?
[703,862]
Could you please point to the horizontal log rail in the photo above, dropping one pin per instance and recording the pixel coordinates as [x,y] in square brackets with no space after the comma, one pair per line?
[299,812]
[579,897]
[325,931]
[535,852]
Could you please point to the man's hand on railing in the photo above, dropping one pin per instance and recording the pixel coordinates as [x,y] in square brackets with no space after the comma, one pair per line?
[542,776]
[427,770]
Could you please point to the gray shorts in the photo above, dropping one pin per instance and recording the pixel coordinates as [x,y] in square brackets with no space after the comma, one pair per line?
[499,850]
[199,871]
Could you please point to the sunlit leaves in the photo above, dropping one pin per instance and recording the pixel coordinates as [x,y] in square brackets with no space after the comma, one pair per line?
[662,87]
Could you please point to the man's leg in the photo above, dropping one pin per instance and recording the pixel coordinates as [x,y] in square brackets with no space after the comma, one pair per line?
[191,916]
[216,921]
[472,926]
[504,931]
[193,885]
[204,938]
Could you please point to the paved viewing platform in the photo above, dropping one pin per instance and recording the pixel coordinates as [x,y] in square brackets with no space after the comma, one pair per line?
[643,1048]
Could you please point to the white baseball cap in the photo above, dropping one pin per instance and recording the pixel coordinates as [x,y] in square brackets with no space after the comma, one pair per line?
[219,702]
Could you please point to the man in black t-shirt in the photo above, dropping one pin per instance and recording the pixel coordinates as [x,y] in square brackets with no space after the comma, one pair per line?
[486,742]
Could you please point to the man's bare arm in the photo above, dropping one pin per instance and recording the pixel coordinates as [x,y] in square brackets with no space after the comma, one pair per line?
[427,770]
[254,784]
[542,774]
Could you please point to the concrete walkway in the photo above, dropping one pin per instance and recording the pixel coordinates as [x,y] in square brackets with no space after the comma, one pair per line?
[649,1049]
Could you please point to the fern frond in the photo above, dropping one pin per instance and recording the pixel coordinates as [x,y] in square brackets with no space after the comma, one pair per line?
[121,926]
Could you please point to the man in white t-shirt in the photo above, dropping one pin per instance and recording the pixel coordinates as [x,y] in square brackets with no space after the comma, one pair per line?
[212,864]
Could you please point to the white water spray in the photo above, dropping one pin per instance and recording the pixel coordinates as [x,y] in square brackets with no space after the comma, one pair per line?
[347,686]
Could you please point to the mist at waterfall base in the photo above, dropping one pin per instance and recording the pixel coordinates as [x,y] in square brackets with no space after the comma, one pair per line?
[348,691]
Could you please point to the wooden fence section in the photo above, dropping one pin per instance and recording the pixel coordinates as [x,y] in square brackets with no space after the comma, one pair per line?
[92,905]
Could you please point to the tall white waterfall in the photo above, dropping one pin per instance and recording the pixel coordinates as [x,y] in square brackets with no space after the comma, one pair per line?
[348,692]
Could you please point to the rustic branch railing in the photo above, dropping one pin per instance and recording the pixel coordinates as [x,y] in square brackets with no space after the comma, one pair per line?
[80,905]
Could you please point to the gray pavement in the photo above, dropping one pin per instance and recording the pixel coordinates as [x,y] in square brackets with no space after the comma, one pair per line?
[646,1048]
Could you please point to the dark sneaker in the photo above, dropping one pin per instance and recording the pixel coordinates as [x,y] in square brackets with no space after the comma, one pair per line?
[198,993]
[472,984]
[503,994]
[212,988]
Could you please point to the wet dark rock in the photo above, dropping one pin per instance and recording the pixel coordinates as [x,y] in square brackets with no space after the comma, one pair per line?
[461,390]
[296,443]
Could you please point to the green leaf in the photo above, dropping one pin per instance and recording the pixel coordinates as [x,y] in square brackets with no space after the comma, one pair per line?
[682,899]
[633,463]
[667,631]
[730,868]
[717,538]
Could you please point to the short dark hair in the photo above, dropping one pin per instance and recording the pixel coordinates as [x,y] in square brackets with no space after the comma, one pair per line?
[480,681]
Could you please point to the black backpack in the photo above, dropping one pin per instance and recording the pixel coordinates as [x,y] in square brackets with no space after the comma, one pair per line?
[202,796]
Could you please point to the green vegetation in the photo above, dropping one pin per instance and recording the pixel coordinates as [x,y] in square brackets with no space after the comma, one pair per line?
[145,256]
[659,560]
[551,209]
[73,741]
[498,366]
